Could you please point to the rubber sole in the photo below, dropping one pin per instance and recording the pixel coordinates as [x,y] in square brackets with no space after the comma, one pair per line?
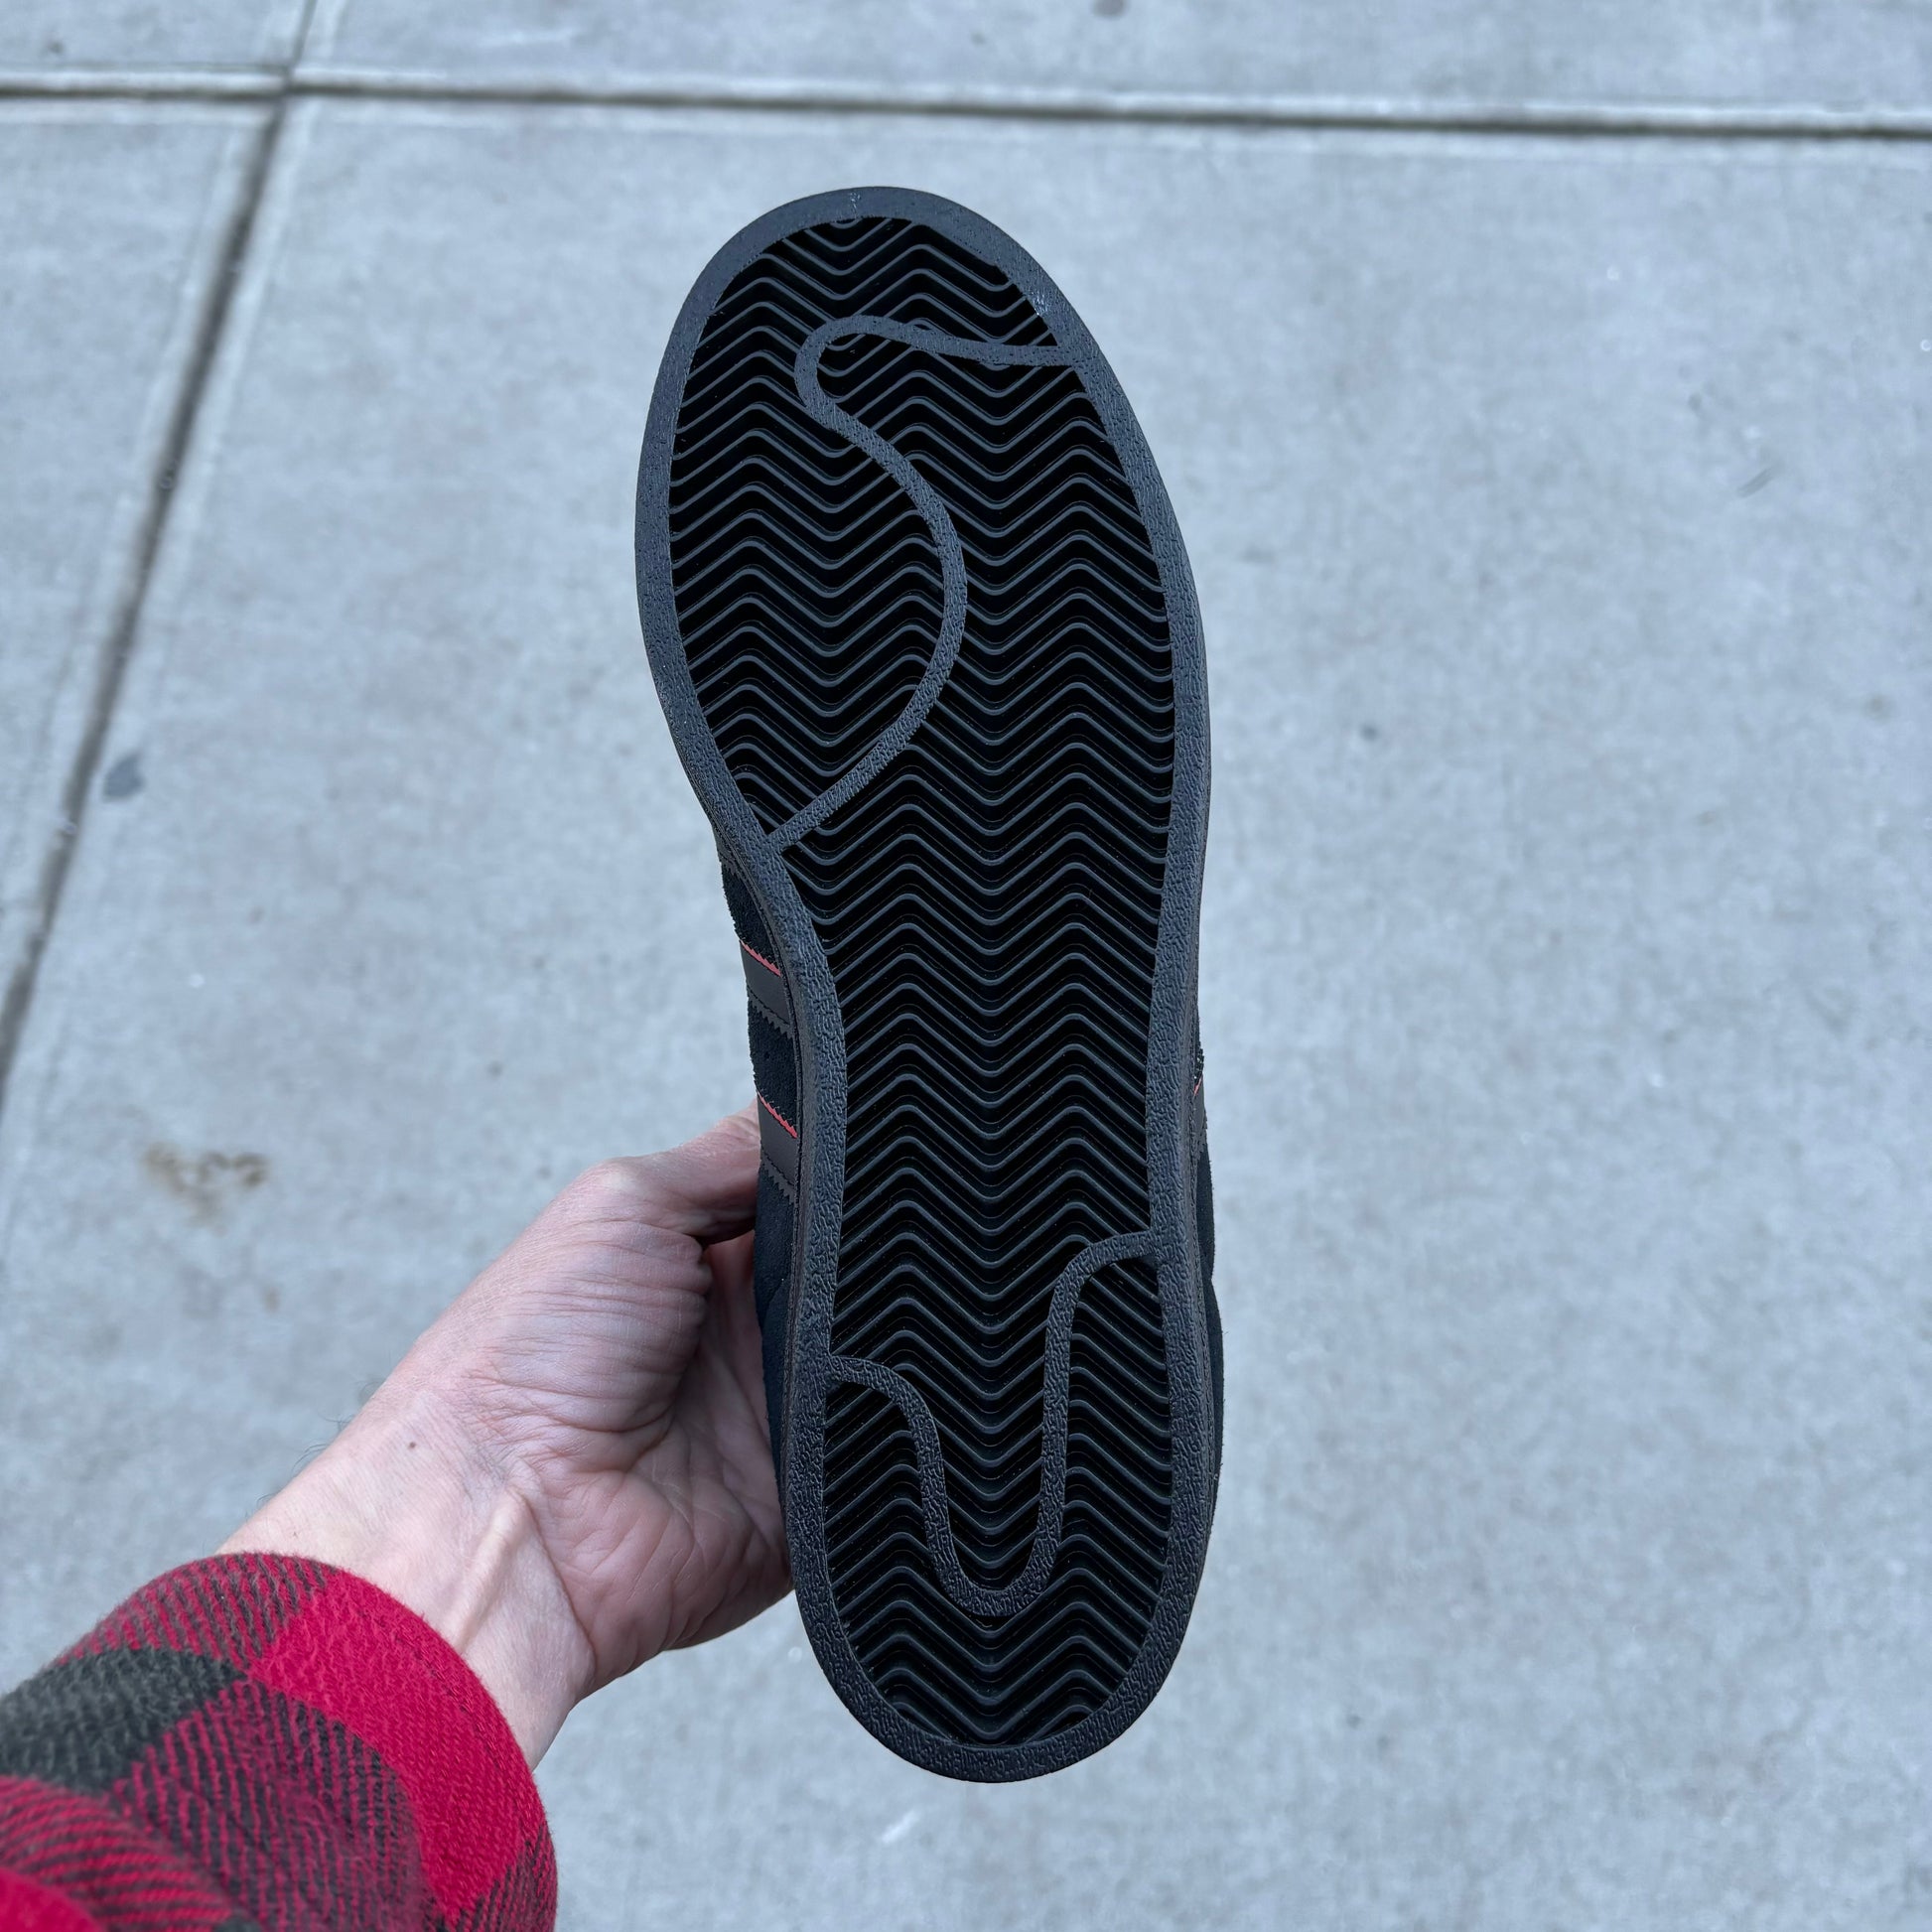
[926,638]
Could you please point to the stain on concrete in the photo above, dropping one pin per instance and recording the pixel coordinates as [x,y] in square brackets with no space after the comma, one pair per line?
[208,1184]
[100,1341]
[123,778]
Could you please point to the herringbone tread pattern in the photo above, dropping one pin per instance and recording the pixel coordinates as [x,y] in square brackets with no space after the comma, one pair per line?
[989,908]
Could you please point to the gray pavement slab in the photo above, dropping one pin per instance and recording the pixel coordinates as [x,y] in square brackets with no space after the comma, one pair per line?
[1559,515]
[111,231]
[51,38]
[1742,52]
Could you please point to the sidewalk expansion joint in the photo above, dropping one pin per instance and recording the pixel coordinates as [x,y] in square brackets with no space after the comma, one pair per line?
[1656,120]
[126,621]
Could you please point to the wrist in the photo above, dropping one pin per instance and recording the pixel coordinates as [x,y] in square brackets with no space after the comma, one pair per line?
[402,1500]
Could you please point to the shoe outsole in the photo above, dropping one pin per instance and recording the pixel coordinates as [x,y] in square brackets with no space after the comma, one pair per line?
[926,638]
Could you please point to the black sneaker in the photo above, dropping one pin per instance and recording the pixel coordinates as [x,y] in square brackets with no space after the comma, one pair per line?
[925,633]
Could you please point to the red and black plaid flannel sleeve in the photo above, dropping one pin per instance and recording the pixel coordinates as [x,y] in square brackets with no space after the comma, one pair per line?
[256,1741]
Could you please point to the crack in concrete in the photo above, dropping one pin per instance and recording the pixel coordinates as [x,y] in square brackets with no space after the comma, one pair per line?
[124,627]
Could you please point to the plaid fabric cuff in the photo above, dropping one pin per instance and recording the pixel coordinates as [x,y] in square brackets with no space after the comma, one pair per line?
[259,1740]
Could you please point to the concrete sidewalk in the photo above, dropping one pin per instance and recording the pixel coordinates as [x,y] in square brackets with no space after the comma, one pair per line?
[1558,485]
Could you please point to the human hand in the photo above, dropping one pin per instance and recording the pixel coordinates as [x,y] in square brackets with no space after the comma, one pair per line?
[570,1471]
